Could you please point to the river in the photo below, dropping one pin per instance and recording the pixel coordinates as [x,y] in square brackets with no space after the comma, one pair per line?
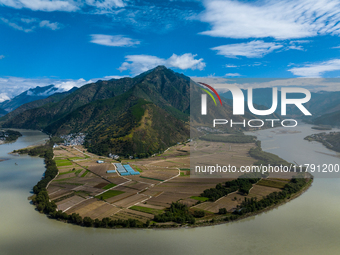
[309,224]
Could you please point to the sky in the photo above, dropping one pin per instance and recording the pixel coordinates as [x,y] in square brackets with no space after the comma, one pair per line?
[73,42]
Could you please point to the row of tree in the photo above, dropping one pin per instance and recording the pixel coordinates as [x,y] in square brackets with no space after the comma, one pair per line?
[243,185]
[178,213]
[252,205]
[75,218]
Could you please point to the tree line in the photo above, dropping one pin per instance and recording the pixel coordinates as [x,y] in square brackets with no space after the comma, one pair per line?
[243,184]
[252,205]
[178,213]
[44,205]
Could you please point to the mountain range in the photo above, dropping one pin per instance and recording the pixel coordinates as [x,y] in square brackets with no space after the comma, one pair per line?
[125,116]
[137,116]
[33,94]
[130,116]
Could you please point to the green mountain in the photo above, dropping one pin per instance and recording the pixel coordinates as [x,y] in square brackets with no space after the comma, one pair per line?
[145,114]
[130,116]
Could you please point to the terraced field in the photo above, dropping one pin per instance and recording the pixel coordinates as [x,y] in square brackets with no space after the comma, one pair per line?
[83,186]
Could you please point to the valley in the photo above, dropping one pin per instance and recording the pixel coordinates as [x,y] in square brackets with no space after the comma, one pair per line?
[87,187]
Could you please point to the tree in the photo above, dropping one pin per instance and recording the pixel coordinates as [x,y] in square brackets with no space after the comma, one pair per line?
[222,211]
[88,222]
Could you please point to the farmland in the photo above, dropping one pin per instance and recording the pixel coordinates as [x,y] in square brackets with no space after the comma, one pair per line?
[84,187]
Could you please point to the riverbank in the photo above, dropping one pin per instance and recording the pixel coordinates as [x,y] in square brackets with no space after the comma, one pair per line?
[221,221]
[273,232]
[330,140]
[9,136]
[46,205]
[216,220]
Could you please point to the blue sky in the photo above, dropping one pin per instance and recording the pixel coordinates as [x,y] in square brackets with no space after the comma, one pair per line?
[72,42]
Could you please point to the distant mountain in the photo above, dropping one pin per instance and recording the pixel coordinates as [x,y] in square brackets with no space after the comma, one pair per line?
[56,97]
[332,119]
[30,95]
[2,112]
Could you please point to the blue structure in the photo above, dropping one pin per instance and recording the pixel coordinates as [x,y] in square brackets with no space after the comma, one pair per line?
[120,168]
[130,170]
[110,171]
[125,170]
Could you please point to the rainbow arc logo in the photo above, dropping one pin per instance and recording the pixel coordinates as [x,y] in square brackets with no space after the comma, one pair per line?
[204,97]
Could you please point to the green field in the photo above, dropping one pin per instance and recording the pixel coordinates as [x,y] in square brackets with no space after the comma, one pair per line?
[84,174]
[202,199]
[109,186]
[69,172]
[273,184]
[147,210]
[74,158]
[63,162]
[110,193]
[138,169]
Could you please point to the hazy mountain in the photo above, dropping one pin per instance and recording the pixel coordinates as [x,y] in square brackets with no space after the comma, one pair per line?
[2,112]
[320,103]
[56,97]
[28,96]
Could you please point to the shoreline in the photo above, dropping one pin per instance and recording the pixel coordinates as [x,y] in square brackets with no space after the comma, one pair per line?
[287,200]
[205,224]
[214,219]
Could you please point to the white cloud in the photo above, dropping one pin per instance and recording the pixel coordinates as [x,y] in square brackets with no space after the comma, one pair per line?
[113,40]
[16,26]
[278,19]
[3,97]
[2,56]
[29,24]
[50,25]
[253,49]
[317,69]
[13,86]
[42,5]
[62,5]
[141,63]
[28,20]
[230,66]
[106,4]
[232,74]
[336,47]
[294,47]
[186,61]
